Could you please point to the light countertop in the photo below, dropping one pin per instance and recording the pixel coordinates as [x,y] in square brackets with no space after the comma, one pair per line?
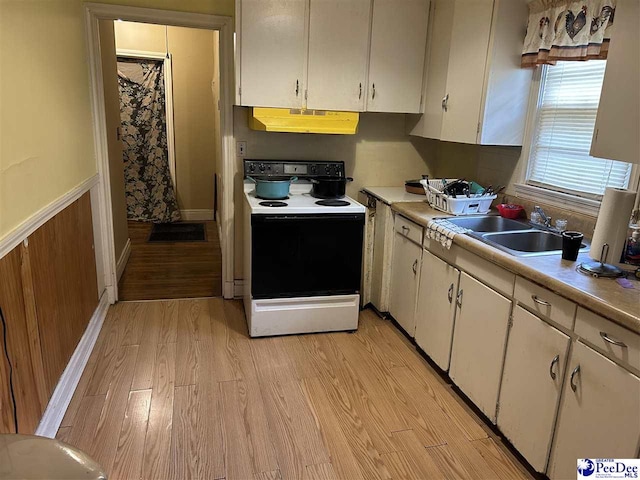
[391,195]
[601,295]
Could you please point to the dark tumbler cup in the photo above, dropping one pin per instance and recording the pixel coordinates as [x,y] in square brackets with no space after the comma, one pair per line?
[571,242]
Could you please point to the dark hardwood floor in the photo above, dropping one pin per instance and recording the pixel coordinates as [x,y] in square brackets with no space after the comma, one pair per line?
[162,270]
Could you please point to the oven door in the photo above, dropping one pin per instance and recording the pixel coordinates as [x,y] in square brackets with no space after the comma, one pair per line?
[306,255]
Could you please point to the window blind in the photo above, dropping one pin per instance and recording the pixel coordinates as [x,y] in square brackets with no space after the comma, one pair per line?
[567,108]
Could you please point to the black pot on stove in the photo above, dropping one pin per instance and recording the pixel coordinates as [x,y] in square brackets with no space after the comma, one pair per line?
[329,187]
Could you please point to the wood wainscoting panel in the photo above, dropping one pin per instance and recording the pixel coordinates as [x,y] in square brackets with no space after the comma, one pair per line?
[64,283]
[28,407]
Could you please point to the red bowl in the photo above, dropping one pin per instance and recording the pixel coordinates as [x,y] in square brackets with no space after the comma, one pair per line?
[509,210]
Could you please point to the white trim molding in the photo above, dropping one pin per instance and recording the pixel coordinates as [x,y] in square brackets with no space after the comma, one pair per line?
[42,216]
[196,214]
[124,258]
[238,288]
[68,382]
[94,12]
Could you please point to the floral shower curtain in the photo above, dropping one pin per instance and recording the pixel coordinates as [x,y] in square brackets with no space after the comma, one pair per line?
[148,184]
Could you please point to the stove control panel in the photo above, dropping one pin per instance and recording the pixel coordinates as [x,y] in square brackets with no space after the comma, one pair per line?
[300,169]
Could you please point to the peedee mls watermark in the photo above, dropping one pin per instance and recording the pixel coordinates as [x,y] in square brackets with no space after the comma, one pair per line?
[610,468]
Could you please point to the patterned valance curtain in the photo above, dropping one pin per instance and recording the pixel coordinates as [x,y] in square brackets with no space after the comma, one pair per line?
[567,30]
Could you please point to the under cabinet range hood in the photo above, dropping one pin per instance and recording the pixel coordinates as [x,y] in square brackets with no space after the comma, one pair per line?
[295,120]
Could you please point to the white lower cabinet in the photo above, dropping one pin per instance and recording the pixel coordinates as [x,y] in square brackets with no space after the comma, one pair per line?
[531,385]
[404,282]
[599,416]
[478,342]
[436,308]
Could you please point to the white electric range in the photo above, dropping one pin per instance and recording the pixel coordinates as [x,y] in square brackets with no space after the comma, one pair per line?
[302,260]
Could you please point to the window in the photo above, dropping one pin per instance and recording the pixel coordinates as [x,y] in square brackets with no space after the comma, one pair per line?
[566,113]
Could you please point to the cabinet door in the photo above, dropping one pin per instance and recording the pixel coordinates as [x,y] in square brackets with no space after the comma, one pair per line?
[532,382]
[470,33]
[618,121]
[338,53]
[601,418]
[272,52]
[404,275]
[396,65]
[382,257]
[478,342]
[436,308]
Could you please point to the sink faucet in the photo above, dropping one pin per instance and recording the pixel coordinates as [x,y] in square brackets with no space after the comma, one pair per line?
[546,220]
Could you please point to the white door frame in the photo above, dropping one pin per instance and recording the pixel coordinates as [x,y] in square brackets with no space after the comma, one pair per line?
[95,12]
[168,100]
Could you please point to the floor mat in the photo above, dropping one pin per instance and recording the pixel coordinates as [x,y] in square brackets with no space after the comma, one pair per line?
[178,232]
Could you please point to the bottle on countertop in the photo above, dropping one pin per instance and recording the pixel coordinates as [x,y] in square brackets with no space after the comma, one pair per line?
[632,249]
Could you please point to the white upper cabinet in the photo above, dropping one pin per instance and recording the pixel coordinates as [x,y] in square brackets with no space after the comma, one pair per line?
[396,63]
[351,55]
[272,52]
[338,48]
[475,91]
[618,122]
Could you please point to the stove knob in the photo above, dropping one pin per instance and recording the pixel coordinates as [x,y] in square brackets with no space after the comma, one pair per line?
[313,169]
[327,169]
[261,167]
[252,167]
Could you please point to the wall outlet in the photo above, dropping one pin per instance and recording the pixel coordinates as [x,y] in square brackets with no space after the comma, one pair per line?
[241,149]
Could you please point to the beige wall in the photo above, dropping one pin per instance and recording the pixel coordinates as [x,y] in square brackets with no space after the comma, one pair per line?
[380,154]
[46,139]
[192,52]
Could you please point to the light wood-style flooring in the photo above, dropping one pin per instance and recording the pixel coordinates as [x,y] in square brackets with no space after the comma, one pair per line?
[177,390]
[161,270]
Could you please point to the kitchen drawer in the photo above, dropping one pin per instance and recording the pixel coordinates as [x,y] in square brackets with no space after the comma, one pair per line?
[613,340]
[487,272]
[545,303]
[409,229]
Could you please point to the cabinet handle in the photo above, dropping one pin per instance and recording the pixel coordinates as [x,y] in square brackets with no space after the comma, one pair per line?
[445,103]
[576,370]
[554,362]
[360,91]
[459,299]
[414,267]
[612,341]
[297,87]
[405,229]
[373,95]
[450,293]
[540,301]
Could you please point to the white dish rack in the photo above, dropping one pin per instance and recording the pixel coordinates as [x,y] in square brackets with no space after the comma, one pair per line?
[460,205]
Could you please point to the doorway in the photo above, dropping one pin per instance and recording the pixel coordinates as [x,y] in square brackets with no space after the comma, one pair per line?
[222,213]
[169,123]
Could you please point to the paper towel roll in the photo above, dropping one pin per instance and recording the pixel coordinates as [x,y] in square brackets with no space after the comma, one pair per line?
[612,225]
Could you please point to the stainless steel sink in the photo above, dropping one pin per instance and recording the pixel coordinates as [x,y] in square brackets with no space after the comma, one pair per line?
[489,223]
[526,243]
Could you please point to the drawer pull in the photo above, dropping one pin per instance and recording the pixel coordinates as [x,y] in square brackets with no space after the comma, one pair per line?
[459,298]
[576,370]
[610,340]
[450,293]
[540,301]
[554,362]
[405,229]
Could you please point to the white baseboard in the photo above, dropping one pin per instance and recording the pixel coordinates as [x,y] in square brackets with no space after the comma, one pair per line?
[196,214]
[42,216]
[124,258]
[238,288]
[68,382]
